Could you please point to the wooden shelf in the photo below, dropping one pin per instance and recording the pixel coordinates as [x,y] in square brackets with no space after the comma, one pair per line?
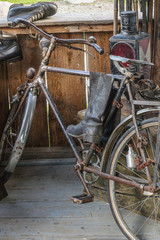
[60,23]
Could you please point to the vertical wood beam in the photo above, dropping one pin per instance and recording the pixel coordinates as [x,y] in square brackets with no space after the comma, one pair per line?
[155,33]
[121,6]
[144,18]
[135,7]
[150,24]
[156,43]
[115,25]
[150,16]
[129,5]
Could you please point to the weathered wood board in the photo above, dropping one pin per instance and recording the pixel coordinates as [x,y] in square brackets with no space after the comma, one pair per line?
[67,91]
[39,207]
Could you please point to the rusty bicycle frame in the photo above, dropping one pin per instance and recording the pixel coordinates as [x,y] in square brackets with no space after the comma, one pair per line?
[83,164]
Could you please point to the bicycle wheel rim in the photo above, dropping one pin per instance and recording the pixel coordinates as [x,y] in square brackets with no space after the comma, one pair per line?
[135,219]
[15,138]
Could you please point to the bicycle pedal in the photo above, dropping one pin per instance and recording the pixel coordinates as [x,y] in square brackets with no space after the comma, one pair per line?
[83,198]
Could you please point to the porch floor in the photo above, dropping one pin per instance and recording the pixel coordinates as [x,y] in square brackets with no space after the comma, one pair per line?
[39,207]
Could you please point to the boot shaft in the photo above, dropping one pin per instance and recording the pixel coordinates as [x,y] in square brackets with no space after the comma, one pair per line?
[95,113]
[101,86]
[91,127]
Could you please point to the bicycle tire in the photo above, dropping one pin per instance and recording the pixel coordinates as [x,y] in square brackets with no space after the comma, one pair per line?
[14,138]
[137,214]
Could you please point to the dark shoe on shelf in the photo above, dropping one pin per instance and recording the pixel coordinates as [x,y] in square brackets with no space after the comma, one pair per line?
[32,12]
[10,51]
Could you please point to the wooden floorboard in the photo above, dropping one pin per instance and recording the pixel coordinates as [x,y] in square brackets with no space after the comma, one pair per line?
[39,208]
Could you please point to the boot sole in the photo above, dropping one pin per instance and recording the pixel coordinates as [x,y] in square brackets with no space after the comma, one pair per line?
[75,136]
[15,59]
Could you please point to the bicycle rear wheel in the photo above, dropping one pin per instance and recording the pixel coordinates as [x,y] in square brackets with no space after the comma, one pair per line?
[14,137]
[137,213]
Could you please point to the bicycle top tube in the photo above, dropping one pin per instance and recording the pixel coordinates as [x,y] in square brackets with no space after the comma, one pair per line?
[90,42]
[45,68]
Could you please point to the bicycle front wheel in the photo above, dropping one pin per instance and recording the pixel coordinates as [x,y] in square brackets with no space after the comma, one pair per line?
[136,212]
[14,137]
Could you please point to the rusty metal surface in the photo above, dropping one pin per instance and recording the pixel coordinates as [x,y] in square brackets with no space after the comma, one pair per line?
[117,131]
[115,178]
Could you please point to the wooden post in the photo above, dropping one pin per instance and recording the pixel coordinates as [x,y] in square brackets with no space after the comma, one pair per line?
[155,43]
[150,16]
[121,6]
[144,18]
[150,26]
[129,5]
[155,34]
[135,4]
[115,25]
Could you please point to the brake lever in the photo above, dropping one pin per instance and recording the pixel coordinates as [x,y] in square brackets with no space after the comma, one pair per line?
[76,48]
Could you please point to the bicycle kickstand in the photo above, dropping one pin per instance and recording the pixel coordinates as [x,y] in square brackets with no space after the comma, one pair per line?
[85,197]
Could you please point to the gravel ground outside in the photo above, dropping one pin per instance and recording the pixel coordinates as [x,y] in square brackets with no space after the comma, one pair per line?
[71,6]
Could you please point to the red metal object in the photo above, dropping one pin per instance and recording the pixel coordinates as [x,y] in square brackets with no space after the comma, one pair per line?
[123,50]
[130,43]
[117,104]
[141,165]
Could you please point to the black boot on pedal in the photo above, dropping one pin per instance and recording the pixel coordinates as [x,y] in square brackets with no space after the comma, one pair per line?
[91,126]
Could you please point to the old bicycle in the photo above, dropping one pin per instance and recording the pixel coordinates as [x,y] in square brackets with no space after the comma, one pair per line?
[130,157]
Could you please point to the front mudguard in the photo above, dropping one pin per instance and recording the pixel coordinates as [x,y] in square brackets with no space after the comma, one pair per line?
[117,133]
[23,132]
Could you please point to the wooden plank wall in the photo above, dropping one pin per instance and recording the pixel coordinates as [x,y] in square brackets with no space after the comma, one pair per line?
[145,7]
[68,91]
[156,42]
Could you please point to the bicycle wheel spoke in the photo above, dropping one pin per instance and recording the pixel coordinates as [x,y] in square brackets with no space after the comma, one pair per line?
[139,206]
[146,220]
[135,147]
[138,175]
[136,212]
[121,190]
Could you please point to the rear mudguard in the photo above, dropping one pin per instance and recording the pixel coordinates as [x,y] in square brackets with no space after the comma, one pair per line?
[117,133]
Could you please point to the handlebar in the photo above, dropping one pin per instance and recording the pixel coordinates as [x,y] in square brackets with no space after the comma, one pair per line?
[90,42]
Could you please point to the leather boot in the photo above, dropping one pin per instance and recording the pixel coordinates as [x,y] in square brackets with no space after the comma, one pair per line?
[77,130]
[32,13]
[10,51]
[92,125]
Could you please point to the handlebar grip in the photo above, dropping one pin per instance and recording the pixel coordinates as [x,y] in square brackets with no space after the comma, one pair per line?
[98,48]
